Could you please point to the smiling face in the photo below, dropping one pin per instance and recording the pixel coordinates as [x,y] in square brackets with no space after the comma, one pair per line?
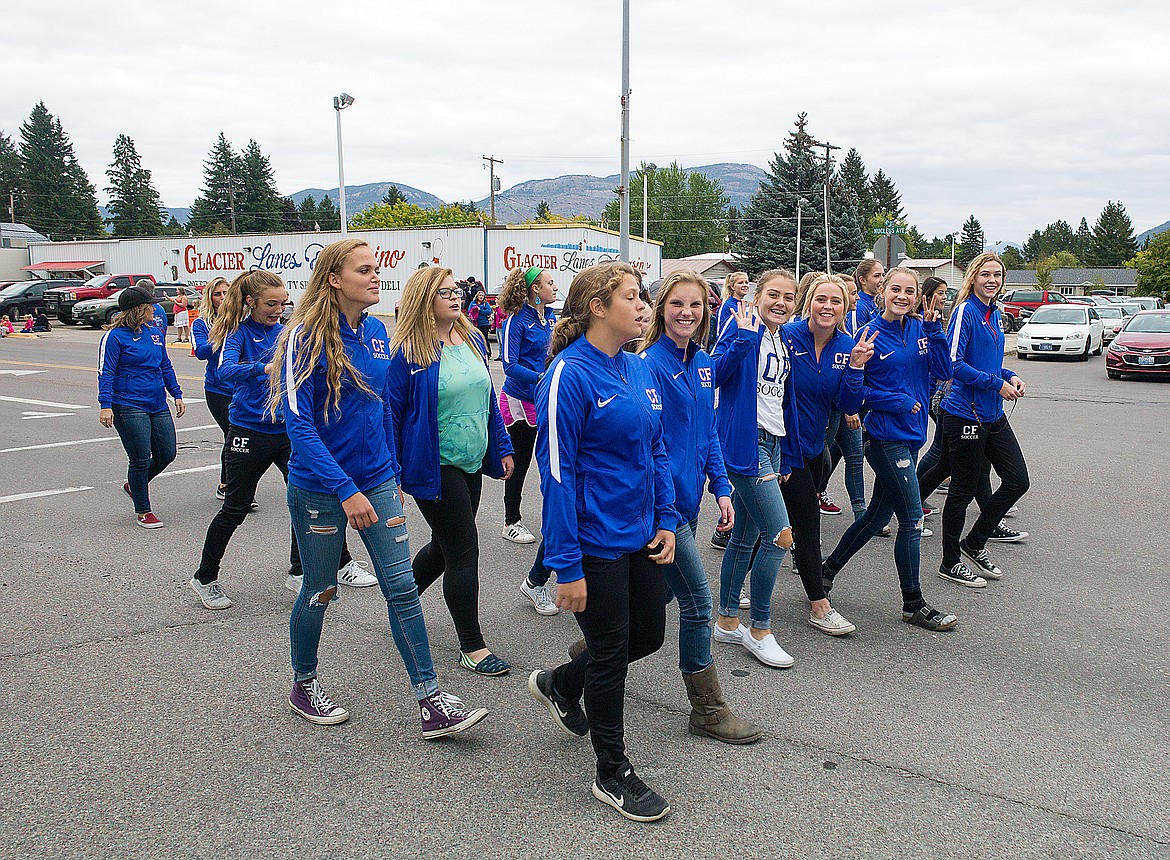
[899,296]
[447,305]
[739,285]
[358,282]
[269,306]
[775,301]
[826,308]
[682,312]
[988,282]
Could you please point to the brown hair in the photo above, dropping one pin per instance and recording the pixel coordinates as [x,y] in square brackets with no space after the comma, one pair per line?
[249,285]
[596,282]
[415,332]
[863,269]
[135,318]
[515,291]
[657,325]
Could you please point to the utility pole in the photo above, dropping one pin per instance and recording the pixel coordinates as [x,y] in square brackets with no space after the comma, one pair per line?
[11,208]
[624,188]
[492,162]
[828,176]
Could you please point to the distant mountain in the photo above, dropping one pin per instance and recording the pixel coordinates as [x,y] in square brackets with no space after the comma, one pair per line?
[1151,233]
[182,213]
[361,197]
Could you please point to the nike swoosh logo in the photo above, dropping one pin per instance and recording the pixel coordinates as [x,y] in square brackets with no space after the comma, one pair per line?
[677,375]
[798,352]
[257,340]
[887,355]
[602,403]
[417,370]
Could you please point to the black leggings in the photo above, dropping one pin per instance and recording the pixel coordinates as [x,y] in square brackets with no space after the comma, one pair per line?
[454,551]
[804,514]
[969,446]
[218,405]
[624,620]
[486,330]
[523,441]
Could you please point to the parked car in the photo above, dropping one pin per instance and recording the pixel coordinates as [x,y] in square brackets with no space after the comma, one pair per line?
[61,301]
[27,297]
[1142,348]
[1018,305]
[1112,320]
[1148,303]
[1061,329]
[100,312]
[1080,300]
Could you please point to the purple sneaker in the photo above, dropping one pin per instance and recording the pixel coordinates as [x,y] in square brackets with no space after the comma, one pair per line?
[310,701]
[445,714]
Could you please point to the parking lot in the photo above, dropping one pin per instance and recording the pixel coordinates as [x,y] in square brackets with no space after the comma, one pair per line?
[139,724]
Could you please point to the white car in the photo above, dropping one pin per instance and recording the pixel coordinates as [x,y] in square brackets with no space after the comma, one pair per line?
[1062,330]
[1112,319]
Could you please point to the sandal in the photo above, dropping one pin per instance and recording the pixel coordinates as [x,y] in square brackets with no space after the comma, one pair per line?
[930,618]
[489,665]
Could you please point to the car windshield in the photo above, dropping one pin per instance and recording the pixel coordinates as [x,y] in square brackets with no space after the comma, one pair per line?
[1060,316]
[95,281]
[1151,323]
[1109,313]
[13,290]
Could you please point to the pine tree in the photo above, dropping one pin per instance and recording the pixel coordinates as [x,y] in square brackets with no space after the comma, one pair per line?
[1113,241]
[885,197]
[11,181]
[854,177]
[174,228]
[915,242]
[687,211]
[59,198]
[393,195]
[135,208]
[1083,243]
[290,218]
[222,189]
[543,211]
[328,217]
[258,207]
[971,241]
[1012,258]
[307,212]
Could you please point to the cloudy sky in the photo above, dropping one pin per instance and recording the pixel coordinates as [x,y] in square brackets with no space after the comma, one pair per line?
[1020,113]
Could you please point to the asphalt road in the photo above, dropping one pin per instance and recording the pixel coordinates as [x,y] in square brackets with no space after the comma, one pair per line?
[138,724]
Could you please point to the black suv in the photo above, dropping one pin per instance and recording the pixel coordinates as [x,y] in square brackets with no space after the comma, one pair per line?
[27,297]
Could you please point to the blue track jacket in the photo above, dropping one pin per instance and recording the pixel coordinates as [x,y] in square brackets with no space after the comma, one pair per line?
[821,386]
[246,353]
[726,311]
[350,450]
[976,340]
[413,393]
[134,370]
[907,357]
[205,351]
[604,471]
[524,350]
[685,380]
[865,310]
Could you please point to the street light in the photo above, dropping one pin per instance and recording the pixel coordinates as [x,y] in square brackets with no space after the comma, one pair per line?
[800,204]
[340,103]
[647,169]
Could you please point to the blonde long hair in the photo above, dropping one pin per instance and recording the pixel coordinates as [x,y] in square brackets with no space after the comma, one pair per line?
[233,309]
[207,307]
[135,318]
[839,283]
[415,333]
[657,325]
[973,269]
[726,293]
[316,317]
[802,288]
[596,282]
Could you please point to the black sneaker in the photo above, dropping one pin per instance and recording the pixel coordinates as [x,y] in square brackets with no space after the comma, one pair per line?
[982,561]
[568,715]
[962,575]
[630,796]
[719,539]
[1003,534]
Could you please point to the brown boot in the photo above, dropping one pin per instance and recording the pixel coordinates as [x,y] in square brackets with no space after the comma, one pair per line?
[710,716]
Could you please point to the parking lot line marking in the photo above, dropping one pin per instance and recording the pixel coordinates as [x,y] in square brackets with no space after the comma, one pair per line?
[98,439]
[76,367]
[19,497]
[189,471]
[43,403]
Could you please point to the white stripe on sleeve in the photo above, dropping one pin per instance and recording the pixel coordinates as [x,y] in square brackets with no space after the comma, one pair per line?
[554,454]
[507,342]
[102,353]
[958,314]
[289,377]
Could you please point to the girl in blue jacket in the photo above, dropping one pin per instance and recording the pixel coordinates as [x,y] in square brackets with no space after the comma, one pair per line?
[480,312]
[217,392]
[909,353]
[734,294]
[684,376]
[134,377]
[609,521]
[448,435]
[329,377]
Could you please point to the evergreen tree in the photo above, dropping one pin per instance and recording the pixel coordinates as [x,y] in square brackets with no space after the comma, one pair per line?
[258,207]
[885,197]
[1113,240]
[59,199]
[971,241]
[135,208]
[915,242]
[290,218]
[854,177]
[307,212]
[328,217]
[222,189]
[1083,243]
[393,195]
[1153,267]
[174,228]
[1059,236]
[543,211]
[11,181]
[1012,258]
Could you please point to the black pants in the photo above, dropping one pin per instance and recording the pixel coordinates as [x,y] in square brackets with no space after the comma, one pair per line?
[624,620]
[218,405]
[486,330]
[453,552]
[969,445]
[523,441]
[804,514]
[935,467]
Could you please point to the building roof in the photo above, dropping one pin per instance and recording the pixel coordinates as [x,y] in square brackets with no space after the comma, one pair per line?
[62,265]
[1111,277]
[700,264]
[20,231]
[932,263]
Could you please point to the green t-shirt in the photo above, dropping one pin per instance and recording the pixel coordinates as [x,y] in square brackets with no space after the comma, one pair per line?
[465,390]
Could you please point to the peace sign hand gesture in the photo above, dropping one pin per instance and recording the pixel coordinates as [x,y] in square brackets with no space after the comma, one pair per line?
[864,349]
[745,316]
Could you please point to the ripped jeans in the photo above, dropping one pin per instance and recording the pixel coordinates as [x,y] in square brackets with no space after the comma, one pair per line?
[759,508]
[319,524]
[895,489]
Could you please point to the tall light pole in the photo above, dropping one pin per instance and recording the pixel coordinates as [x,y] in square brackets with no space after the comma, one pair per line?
[647,169]
[800,204]
[340,103]
[624,190]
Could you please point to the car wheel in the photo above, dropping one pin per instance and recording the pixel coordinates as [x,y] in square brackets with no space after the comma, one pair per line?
[1009,323]
[1100,346]
[1084,356]
[110,314]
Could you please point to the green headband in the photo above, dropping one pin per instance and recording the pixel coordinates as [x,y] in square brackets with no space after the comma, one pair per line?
[531,275]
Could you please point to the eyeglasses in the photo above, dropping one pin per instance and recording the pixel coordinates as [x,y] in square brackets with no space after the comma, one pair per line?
[450,293]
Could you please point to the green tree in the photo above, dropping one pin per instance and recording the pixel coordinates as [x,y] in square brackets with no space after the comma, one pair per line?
[223,188]
[174,228]
[1012,258]
[307,212]
[328,218]
[11,181]
[59,199]
[852,174]
[1044,268]
[971,242]
[543,213]
[1113,240]
[687,211]
[1153,267]
[884,197]
[393,195]
[258,206]
[403,214]
[1083,243]
[290,217]
[915,242]
[135,207]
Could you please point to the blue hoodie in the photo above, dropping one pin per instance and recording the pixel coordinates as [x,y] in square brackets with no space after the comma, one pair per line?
[246,352]
[726,311]
[350,450]
[737,370]
[604,472]
[821,386]
[685,380]
[907,357]
[865,310]
[524,350]
[134,369]
[976,340]
[205,351]
[413,395]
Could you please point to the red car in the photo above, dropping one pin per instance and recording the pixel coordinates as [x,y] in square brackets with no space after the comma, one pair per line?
[1142,348]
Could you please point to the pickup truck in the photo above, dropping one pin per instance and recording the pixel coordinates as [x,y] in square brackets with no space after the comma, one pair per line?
[61,301]
[1018,305]
[27,297]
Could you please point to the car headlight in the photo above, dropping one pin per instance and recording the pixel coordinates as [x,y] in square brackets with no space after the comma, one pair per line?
[1076,335]
[1118,347]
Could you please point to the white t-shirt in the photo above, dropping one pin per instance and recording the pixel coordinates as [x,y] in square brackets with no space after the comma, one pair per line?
[772,376]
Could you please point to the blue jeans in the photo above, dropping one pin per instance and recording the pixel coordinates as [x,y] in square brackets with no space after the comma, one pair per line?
[149,440]
[320,523]
[759,508]
[686,579]
[845,443]
[895,489]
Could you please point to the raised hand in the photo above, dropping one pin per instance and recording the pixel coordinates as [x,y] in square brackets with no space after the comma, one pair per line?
[863,352]
[745,316]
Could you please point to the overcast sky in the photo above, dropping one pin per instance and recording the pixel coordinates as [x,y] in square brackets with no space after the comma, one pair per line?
[1020,113]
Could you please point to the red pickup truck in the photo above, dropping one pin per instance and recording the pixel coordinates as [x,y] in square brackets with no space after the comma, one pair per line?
[61,302]
[1018,305]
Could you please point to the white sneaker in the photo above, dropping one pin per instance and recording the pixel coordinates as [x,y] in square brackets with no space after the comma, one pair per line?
[356,574]
[833,623]
[730,637]
[887,532]
[767,650]
[518,533]
[542,601]
[927,532]
[211,594]
[745,602]
[293,583]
